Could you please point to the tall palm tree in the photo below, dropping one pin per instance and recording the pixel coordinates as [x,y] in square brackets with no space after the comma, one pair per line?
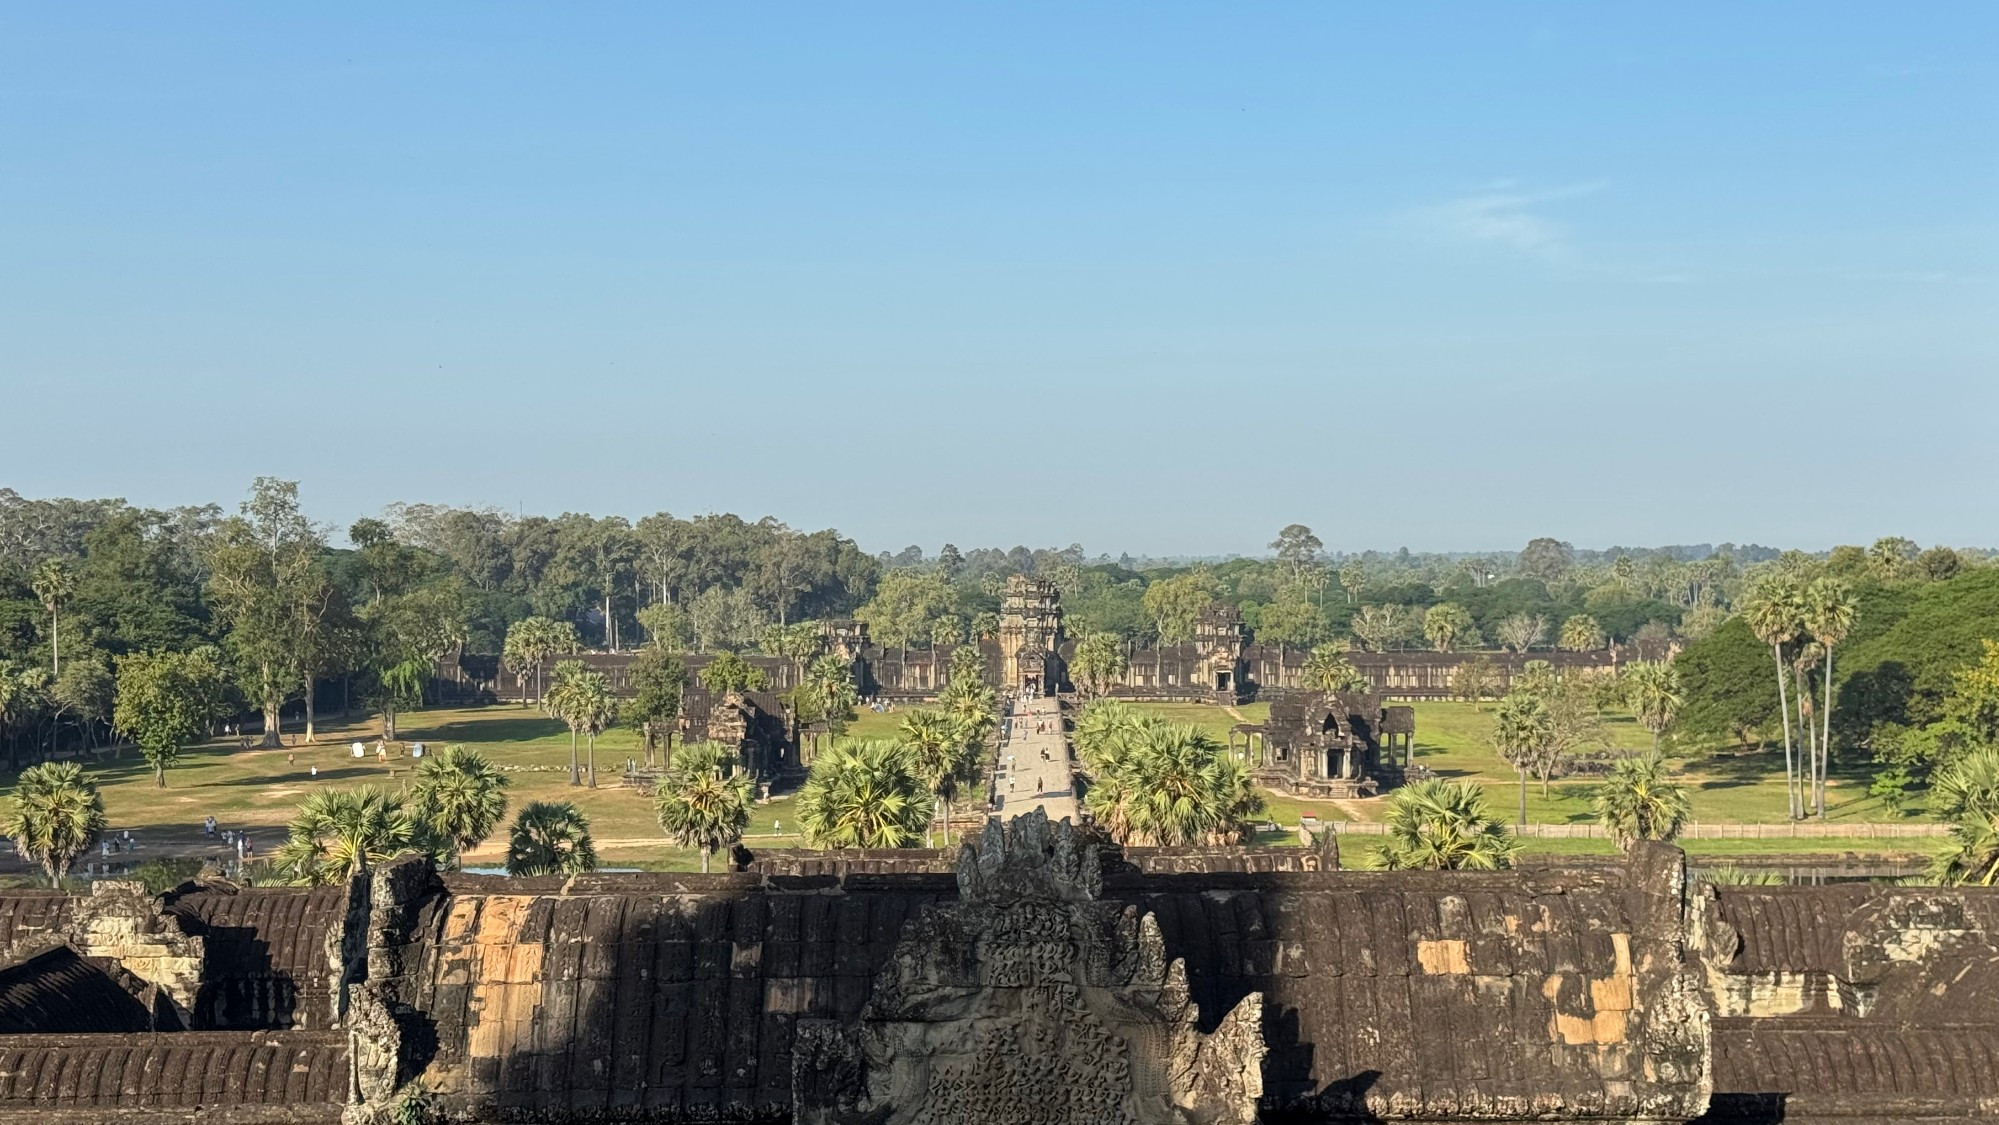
[461,795]
[571,698]
[341,833]
[1327,669]
[1828,610]
[1522,731]
[1640,802]
[703,801]
[863,794]
[55,816]
[53,583]
[550,838]
[936,745]
[1773,614]
[600,710]
[1652,691]
[1443,825]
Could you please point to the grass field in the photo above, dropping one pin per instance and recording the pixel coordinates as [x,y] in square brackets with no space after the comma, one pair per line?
[1454,739]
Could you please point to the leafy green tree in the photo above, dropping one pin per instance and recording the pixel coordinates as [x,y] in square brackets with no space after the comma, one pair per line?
[55,815]
[906,607]
[826,694]
[167,700]
[667,625]
[1448,625]
[1296,547]
[339,834]
[1640,801]
[1176,603]
[1292,619]
[264,582]
[85,691]
[1581,633]
[53,584]
[1327,669]
[729,674]
[1974,696]
[550,838]
[1549,560]
[1443,825]
[460,796]
[703,801]
[1099,662]
[658,678]
[1652,690]
[863,794]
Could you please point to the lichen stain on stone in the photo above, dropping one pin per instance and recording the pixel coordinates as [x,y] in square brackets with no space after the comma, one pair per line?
[1446,956]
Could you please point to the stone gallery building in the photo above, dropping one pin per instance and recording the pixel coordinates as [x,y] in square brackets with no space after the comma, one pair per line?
[1035,976]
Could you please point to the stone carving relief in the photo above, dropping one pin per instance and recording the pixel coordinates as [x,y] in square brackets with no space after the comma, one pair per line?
[1031,1002]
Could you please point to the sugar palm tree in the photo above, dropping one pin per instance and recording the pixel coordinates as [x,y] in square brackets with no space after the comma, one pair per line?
[1652,691]
[550,838]
[1967,793]
[461,795]
[339,834]
[1775,616]
[55,816]
[1154,783]
[1522,731]
[572,698]
[1443,825]
[1327,669]
[1639,801]
[936,747]
[1827,612]
[53,583]
[863,794]
[600,710]
[703,801]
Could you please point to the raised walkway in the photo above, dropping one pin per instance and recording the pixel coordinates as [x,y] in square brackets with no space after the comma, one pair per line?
[1033,770]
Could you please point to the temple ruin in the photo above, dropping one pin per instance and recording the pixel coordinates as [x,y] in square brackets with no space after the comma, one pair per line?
[1037,975]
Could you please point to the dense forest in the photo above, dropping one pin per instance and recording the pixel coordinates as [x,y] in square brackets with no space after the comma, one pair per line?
[261,609]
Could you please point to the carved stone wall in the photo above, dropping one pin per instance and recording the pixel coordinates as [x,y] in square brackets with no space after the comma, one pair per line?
[1030,1001]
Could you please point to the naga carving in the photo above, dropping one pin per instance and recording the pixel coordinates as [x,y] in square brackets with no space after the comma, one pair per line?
[1029,1001]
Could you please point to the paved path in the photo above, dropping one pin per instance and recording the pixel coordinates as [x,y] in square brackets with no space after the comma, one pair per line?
[1034,769]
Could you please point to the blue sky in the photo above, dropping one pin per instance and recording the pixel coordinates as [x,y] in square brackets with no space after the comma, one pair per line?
[1152,277]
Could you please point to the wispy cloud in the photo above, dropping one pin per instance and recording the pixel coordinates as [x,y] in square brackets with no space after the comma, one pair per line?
[1504,215]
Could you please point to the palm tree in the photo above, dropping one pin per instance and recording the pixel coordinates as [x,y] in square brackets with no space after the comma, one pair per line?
[1966,792]
[55,816]
[600,710]
[1327,669]
[1773,614]
[1652,690]
[339,834]
[863,794]
[1159,784]
[1442,825]
[461,795]
[530,643]
[936,745]
[572,698]
[703,801]
[1581,633]
[1640,802]
[550,838]
[1827,613]
[1522,731]
[53,583]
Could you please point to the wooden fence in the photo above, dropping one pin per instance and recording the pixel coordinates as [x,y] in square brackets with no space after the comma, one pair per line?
[1796,830]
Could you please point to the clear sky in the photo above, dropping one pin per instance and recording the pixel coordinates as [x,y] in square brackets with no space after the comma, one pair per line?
[1154,277]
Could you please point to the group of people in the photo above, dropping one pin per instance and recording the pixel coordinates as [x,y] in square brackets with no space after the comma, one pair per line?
[234,837]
